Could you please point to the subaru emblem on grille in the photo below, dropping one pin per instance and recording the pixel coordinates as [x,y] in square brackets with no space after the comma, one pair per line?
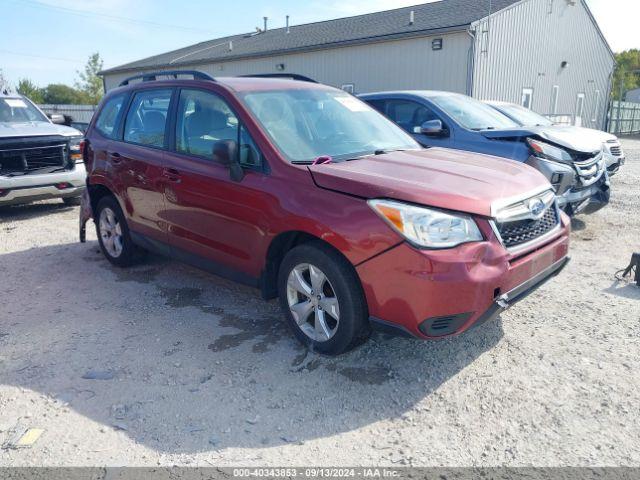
[536,207]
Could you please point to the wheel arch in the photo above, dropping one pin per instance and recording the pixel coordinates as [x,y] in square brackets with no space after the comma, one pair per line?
[278,248]
[97,191]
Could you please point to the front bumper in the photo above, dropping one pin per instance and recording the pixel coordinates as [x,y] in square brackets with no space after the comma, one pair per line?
[30,188]
[590,199]
[437,293]
[614,156]
[614,163]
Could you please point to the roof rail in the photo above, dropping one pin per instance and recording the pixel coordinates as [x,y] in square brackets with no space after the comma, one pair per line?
[150,77]
[292,76]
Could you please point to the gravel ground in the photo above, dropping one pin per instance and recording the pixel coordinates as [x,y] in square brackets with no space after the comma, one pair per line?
[164,364]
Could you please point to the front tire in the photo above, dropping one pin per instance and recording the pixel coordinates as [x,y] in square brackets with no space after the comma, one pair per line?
[113,233]
[322,299]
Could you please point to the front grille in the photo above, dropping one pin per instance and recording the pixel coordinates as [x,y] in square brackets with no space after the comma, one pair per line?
[616,151]
[26,160]
[517,233]
[589,170]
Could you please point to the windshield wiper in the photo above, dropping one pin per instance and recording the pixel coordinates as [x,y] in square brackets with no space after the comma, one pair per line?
[389,150]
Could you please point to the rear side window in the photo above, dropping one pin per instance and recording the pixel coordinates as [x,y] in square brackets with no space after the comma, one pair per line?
[147,118]
[108,118]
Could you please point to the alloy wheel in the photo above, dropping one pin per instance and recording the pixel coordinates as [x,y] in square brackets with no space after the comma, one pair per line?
[110,232]
[313,302]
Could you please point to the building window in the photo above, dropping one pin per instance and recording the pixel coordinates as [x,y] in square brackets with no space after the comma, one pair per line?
[555,94]
[349,88]
[596,107]
[484,41]
[436,44]
[579,109]
[527,97]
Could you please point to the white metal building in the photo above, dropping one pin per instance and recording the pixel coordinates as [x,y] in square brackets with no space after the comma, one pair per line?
[548,55]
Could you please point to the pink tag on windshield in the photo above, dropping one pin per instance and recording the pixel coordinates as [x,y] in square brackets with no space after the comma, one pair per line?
[321,160]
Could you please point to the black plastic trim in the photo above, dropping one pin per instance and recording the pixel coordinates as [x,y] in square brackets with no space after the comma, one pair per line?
[216,268]
[389,328]
[151,76]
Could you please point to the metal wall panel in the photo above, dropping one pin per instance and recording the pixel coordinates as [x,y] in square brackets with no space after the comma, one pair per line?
[525,47]
[394,65]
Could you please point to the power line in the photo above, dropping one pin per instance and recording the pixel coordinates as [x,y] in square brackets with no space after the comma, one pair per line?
[82,13]
[40,56]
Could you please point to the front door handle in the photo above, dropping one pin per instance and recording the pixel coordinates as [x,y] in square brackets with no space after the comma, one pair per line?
[115,157]
[172,175]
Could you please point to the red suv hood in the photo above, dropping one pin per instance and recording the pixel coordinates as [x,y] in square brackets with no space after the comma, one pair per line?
[443,178]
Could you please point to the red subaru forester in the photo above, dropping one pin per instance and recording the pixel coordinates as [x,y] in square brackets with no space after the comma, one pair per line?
[307,193]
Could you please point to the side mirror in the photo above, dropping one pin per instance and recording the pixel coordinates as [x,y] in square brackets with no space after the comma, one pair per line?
[433,128]
[226,153]
[57,119]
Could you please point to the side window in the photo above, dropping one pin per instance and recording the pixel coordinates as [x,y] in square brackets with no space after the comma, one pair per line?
[409,115]
[147,118]
[107,121]
[203,119]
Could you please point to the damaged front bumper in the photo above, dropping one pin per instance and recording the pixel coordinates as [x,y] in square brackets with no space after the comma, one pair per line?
[587,199]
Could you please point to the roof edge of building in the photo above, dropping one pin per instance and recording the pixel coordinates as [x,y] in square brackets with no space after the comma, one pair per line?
[306,48]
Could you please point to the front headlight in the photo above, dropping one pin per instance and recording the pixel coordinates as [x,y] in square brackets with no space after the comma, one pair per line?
[75,154]
[544,150]
[425,227]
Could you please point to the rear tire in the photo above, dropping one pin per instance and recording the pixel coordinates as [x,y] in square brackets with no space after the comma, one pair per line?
[113,234]
[322,299]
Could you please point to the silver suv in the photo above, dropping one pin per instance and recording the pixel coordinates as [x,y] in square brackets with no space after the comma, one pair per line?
[38,159]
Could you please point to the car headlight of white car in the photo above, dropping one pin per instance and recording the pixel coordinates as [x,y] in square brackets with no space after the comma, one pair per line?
[426,227]
[75,154]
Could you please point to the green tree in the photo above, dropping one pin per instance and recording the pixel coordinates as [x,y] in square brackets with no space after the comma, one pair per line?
[63,94]
[90,82]
[627,62]
[27,88]
[4,83]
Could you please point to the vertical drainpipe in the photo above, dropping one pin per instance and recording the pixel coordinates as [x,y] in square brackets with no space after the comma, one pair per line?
[471,60]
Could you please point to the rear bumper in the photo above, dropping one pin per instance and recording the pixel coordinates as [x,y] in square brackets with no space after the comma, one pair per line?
[31,188]
[435,294]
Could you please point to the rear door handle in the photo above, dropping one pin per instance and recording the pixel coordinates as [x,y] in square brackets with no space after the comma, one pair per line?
[172,175]
[115,157]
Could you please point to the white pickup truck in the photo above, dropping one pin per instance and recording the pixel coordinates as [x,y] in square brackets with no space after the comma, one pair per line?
[38,159]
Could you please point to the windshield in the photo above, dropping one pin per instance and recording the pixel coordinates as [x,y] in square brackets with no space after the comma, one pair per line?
[19,110]
[473,114]
[307,124]
[524,116]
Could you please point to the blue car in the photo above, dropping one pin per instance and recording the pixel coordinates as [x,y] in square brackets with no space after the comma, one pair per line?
[574,164]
